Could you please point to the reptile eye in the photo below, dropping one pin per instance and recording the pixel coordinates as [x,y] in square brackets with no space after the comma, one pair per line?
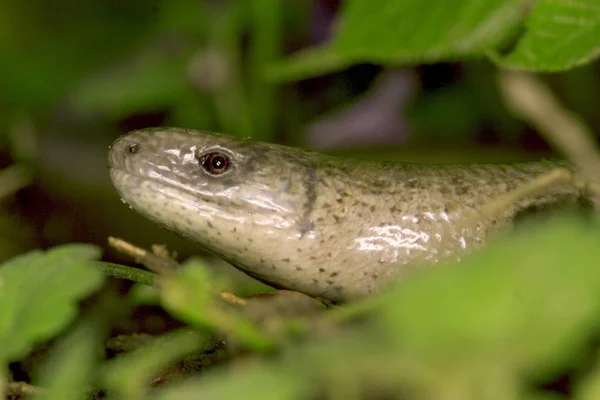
[215,163]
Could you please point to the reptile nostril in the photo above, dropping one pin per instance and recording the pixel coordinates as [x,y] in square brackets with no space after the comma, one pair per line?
[119,151]
[133,148]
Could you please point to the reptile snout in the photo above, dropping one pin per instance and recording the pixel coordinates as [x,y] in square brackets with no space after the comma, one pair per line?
[122,149]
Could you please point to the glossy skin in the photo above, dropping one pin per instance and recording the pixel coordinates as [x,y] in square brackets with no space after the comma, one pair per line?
[329,227]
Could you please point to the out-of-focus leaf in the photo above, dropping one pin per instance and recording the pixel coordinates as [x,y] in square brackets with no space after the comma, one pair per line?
[186,17]
[529,303]
[193,109]
[479,330]
[131,373]
[39,293]
[266,42]
[153,81]
[68,371]
[561,34]
[406,31]
[589,388]
[307,63]
[446,114]
[192,297]
[46,47]
[258,384]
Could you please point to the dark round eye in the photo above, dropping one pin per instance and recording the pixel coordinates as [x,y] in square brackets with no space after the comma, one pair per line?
[215,163]
[133,148]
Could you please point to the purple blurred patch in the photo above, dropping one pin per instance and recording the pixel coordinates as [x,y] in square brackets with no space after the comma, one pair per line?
[321,21]
[374,119]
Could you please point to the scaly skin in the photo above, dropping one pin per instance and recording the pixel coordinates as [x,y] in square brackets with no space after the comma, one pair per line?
[329,227]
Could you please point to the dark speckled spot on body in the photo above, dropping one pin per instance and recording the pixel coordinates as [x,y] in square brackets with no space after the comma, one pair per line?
[305,227]
[461,190]
[444,190]
[412,183]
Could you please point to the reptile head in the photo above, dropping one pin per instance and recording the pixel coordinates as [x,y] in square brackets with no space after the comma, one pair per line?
[230,195]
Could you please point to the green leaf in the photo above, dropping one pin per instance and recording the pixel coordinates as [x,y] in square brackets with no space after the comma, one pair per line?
[561,34]
[68,370]
[403,30]
[39,293]
[252,384]
[149,82]
[479,329]
[192,297]
[130,374]
[529,303]
[408,31]
[45,49]
[307,63]
[265,46]
[589,387]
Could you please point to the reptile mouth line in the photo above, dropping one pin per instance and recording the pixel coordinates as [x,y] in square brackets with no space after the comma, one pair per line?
[139,179]
[120,177]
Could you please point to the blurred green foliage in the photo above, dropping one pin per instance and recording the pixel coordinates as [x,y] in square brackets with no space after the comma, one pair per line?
[499,325]
[46,47]
[494,326]
[39,295]
[114,58]
[220,65]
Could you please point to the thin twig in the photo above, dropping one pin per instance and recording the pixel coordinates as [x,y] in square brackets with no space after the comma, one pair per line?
[159,261]
[532,99]
[22,388]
